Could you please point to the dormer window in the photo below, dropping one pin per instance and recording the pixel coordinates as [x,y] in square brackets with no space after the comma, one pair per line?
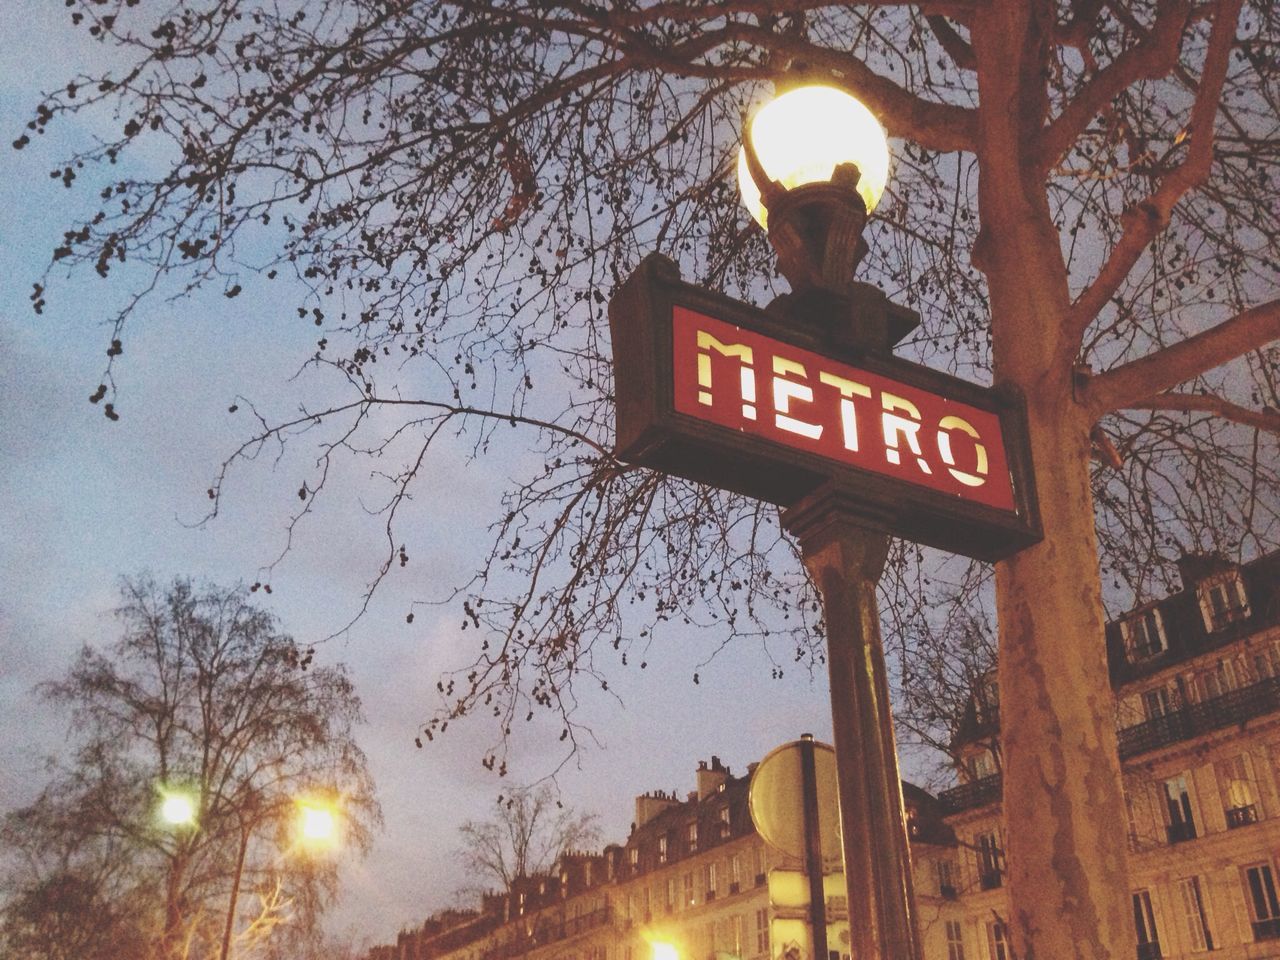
[1222,600]
[723,816]
[693,836]
[634,856]
[662,849]
[982,765]
[1143,635]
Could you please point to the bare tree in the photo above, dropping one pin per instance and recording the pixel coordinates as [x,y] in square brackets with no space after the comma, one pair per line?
[1082,207]
[527,832]
[201,699]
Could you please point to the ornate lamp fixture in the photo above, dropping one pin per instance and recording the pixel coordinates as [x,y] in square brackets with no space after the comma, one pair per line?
[813,164]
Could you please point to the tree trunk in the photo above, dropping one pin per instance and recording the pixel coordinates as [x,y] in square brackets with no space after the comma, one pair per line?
[1067,845]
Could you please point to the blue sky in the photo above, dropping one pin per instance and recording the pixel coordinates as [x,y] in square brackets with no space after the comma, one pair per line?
[85,501]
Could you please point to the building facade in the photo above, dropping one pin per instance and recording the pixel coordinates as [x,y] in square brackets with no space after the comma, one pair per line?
[1197,683]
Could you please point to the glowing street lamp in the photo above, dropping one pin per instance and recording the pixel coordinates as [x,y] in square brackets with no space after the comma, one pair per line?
[664,951]
[813,164]
[317,823]
[178,809]
[803,135]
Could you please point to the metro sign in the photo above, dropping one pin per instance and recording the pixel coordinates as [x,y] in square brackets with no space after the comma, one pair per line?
[721,392]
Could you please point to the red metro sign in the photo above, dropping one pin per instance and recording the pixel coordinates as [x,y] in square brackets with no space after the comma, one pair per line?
[718,391]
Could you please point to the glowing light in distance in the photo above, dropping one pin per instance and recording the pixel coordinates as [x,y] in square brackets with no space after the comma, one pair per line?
[178,809]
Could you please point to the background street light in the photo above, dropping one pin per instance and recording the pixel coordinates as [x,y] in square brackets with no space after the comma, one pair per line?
[178,809]
[317,823]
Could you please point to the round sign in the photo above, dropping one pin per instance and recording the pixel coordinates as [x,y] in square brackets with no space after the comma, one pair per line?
[776,799]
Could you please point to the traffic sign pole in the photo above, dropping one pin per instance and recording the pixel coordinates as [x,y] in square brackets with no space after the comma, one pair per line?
[813,847]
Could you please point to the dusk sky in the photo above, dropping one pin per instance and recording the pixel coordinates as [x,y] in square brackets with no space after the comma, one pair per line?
[86,501]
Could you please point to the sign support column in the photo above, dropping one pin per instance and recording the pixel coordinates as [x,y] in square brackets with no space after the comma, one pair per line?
[844,547]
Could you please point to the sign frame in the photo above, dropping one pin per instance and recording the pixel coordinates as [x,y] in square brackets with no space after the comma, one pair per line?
[651,432]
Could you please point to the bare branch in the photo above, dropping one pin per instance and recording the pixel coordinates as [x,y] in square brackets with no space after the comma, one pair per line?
[1144,221]
[1151,375]
[1151,57]
[1267,418]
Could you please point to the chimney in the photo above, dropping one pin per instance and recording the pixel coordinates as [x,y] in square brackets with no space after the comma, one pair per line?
[649,805]
[1194,567]
[711,778]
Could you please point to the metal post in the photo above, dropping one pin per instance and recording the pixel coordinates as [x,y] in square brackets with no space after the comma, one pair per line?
[235,893]
[813,847]
[844,550]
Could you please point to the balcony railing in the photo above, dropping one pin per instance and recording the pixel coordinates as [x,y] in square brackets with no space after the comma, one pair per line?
[947,891]
[970,795]
[1241,816]
[1233,707]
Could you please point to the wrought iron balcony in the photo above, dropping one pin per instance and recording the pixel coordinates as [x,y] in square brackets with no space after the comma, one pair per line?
[970,795]
[1242,816]
[1229,709]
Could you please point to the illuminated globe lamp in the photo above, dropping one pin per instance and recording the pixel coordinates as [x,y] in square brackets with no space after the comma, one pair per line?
[813,163]
[178,808]
[317,823]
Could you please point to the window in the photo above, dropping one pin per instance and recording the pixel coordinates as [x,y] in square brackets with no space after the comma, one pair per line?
[633,855]
[1194,914]
[1239,799]
[673,894]
[1263,905]
[1215,680]
[735,871]
[689,898]
[1222,601]
[662,849]
[1144,921]
[1143,635]
[1181,825]
[762,931]
[739,933]
[710,880]
[693,836]
[1266,662]
[990,860]
[947,878]
[955,941]
[997,940]
[981,765]
[723,816]
[1155,703]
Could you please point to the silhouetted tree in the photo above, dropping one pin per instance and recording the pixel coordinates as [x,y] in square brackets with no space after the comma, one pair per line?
[203,697]
[528,829]
[1082,207]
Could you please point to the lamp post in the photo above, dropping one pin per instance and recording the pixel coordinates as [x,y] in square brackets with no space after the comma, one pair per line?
[813,163]
[317,828]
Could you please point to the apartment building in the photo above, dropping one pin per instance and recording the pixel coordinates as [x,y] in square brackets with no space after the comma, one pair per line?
[1197,682]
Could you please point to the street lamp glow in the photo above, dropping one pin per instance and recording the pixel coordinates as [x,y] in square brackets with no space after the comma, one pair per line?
[178,809]
[664,951]
[317,823]
[801,136]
